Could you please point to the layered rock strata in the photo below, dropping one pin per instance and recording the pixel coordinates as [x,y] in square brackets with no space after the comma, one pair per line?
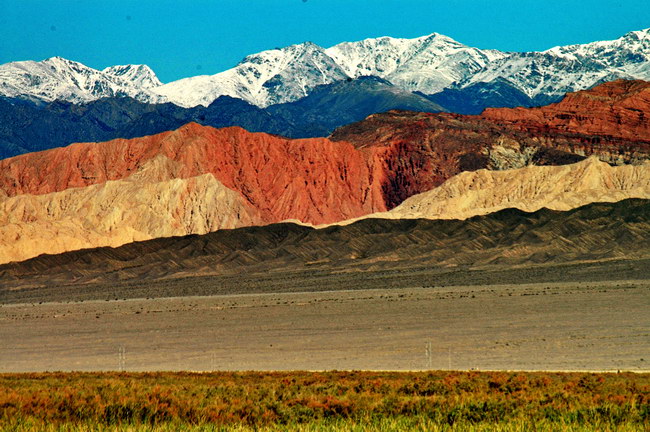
[199,179]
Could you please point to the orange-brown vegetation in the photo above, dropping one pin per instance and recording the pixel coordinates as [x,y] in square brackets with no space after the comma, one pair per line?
[605,401]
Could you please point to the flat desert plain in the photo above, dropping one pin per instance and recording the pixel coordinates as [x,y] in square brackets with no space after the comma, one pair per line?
[582,325]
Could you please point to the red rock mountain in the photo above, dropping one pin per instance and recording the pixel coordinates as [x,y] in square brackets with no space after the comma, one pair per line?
[420,151]
[613,111]
[199,179]
[312,180]
[372,165]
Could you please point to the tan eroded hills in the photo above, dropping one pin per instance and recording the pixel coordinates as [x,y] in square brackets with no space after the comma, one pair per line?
[370,252]
[199,179]
[118,212]
[563,187]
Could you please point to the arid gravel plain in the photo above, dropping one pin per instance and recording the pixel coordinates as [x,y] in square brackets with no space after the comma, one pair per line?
[582,325]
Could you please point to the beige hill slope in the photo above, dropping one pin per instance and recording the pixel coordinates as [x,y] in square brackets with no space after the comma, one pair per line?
[148,205]
[118,212]
[531,188]
[475,193]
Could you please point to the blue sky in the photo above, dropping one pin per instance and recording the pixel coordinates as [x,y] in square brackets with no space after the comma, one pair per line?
[185,38]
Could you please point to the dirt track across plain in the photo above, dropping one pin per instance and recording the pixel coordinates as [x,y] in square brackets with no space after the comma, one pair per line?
[546,326]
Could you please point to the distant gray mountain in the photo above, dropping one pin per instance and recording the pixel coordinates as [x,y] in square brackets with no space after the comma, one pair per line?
[330,106]
[474,98]
[28,127]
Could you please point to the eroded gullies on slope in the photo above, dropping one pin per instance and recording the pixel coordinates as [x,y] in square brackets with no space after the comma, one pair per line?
[366,167]
[369,253]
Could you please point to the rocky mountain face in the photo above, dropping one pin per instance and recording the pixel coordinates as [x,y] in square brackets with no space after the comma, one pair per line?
[475,98]
[601,231]
[605,116]
[421,151]
[329,106]
[469,79]
[320,181]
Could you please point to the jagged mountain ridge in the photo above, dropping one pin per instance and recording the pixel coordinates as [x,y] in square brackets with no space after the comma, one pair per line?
[428,64]
[263,79]
[571,68]
[140,75]
[432,63]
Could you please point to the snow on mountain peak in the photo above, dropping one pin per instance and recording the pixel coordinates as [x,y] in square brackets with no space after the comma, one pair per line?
[265,78]
[140,75]
[638,34]
[428,64]
[569,68]
[59,78]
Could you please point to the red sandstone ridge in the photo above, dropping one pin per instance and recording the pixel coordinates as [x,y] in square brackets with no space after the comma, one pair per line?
[420,151]
[614,110]
[365,167]
[313,180]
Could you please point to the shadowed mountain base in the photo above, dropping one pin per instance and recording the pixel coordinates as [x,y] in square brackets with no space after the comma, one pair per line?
[594,242]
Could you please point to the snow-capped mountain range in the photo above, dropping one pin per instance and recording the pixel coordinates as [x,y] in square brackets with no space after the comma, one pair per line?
[58,78]
[266,78]
[427,64]
[573,67]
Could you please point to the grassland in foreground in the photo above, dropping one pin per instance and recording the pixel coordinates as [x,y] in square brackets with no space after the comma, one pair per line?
[325,401]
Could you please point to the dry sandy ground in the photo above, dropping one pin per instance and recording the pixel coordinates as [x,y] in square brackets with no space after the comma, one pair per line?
[551,326]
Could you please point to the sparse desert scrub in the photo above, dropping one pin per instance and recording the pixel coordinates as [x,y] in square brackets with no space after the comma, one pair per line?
[305,401]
